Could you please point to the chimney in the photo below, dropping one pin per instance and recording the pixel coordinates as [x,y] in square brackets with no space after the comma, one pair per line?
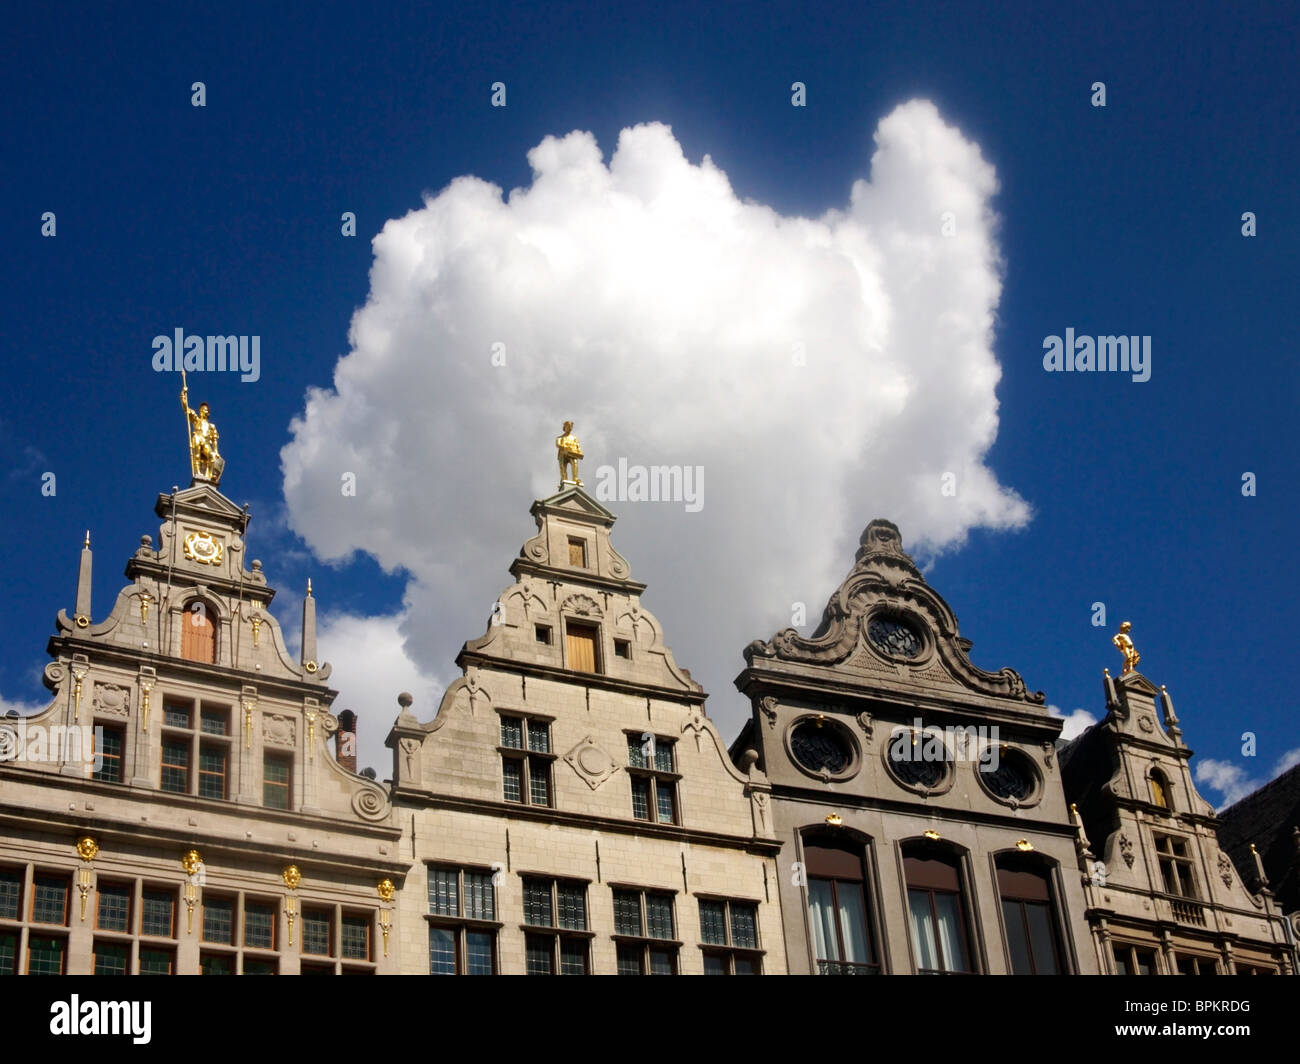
[345,741]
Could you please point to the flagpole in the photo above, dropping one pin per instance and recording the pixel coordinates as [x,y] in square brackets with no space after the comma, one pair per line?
[189,446]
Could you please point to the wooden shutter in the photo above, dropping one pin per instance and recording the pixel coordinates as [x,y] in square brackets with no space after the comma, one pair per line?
[580,642]
[198,636]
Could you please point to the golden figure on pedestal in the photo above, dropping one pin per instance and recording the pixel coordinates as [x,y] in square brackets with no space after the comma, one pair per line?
[1126,647]
[205,462]
[568,451]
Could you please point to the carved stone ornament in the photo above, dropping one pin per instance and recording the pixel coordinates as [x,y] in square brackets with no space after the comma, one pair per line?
[592,764]
[279,730]
[1225,870]
[111,700]
[1126,850]
[1146,724]
[582,605]
[370,803]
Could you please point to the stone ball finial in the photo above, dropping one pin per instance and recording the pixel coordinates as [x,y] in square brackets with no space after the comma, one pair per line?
[748,759]
[146,541]
[404,700]
[257,565]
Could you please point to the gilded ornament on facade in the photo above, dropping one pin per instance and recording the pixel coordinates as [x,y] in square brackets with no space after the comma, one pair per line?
[203,547]
[191,861]
[291,876]
[1124,644]
[385,889]
[87,848]
[568,451]
[205,461]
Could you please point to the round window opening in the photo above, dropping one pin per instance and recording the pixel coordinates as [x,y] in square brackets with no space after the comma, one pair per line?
[1012,779]
[894,637]
[820,746]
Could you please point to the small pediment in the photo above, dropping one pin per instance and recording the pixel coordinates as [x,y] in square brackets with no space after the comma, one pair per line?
[574,500]
[1135,681]
[199,499]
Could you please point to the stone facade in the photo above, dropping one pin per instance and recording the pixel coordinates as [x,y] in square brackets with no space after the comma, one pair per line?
[189,802]
[1162,895]
[900,852]
[178,806]
[573,761]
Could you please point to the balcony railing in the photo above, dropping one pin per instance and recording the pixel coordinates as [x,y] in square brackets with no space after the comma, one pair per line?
[846,968]
[1188,912]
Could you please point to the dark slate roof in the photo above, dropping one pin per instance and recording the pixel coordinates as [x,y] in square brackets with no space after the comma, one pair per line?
[1267,817]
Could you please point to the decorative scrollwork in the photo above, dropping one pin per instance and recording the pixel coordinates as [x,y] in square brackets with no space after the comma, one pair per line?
[370,803]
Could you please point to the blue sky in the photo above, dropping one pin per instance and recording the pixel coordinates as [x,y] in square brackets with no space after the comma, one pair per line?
[1124,219]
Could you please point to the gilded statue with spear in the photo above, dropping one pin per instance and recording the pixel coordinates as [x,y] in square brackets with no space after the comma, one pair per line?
[205,462]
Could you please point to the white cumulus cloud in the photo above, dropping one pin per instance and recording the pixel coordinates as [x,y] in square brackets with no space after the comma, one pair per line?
[823,371]
[1076,723]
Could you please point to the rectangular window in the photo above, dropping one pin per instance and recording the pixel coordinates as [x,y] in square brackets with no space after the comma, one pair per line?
[578,552]
[526,778]
[157,913]
[8,952]
[561,905]
[111,958]
[216,964]
[356,937]
[937,913]
[581,644]
[316,931]
[49,899]
[622,648]
[177,714]
[462,941]
[1192,965]
[277,777]
[11,891]
[259,966]
[259,926]
[542,633]
[648,916]
[215,721]
[731,924]
[653,779]
[843,935]
[218,920]
[157,961]
[175,766]
[45,955]
[212,770]
[1130,960]
[109,754]
[1027,914]
[113,908]
[1175,866]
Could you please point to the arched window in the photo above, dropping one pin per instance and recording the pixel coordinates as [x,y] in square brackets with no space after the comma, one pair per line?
[199,632]
[936,911]
[838,913]
[1033,939]
[1160,789]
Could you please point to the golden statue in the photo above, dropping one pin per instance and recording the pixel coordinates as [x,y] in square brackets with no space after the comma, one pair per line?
[568,451]
[205,462]
[1126,647]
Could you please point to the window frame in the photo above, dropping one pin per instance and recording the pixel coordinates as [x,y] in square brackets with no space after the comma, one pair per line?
[654,779]
[643,943]
[461,926]
[534,764]
[728,952]
[557,935]
[954,861]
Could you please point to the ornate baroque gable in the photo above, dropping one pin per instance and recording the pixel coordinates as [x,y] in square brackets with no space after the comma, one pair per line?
[901,624]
